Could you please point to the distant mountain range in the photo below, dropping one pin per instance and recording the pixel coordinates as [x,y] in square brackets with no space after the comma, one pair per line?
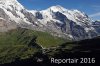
[56,20]
[29,36]
[96,25]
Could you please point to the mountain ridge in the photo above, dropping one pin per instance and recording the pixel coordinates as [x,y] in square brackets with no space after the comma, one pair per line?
[29,36]
[58,21]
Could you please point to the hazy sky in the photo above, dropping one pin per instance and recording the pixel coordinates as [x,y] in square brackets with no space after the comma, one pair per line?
[90,7]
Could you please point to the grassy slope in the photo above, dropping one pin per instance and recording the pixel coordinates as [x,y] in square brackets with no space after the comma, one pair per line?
[77,48]
[15,44]
[43,38]
[47,40]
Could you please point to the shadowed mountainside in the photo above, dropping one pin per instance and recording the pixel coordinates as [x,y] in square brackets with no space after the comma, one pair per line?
[89,48]
[23,44]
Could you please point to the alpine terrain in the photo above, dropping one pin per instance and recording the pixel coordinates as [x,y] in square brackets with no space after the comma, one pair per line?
[26,35]
[58,21]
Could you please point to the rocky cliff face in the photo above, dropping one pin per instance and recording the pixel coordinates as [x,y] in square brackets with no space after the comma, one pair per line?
[96,25]
[61,22]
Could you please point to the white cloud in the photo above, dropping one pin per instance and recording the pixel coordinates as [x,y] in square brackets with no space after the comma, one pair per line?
[95,15]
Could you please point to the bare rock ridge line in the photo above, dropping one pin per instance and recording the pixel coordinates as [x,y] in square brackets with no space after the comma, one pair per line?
[58,21]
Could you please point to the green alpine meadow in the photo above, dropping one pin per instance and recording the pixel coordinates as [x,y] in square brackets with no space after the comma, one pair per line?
[23,43]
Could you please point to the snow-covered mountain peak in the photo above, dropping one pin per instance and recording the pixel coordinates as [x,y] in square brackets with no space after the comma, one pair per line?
[57,20]
[8,0]
[56,8]
[13,11]
[9,4]
[73,15]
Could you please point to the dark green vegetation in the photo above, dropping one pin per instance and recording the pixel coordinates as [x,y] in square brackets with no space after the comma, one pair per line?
[19,43]
[24,36]
[46,40]
[23,44]
[88,46]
